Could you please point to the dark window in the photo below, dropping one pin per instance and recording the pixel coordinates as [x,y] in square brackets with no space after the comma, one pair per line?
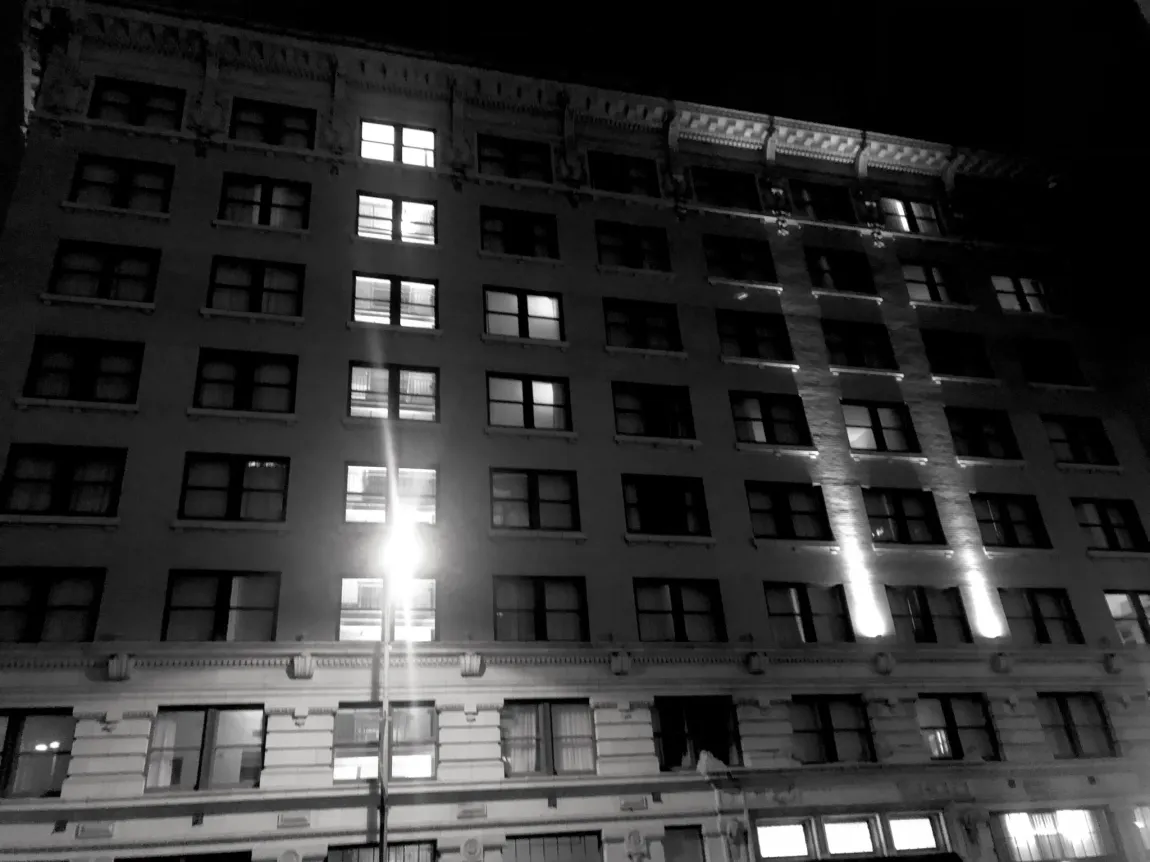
[39,604]
[642,325]
[802,614]
[416,851]
[1079,440]
[1009,521]
[1111,525]
[1040,616]
[272,124]
[722,188]
[1020,294]
[205,749]
[393,301]
[928,282]
[859,345]
[982,433]
[685,727]
[785,510]
[682,611]
[839,269]
[534,500]
[518,232]
[234,487]
[393,391]
[956,727]
[137,104]
[823,202]
[378,142]
[547,738]
[35,750]
[683,844]
[122,184]
[84,369]
[754,335]
[239,380]
[627,175]
[70,481]
[1075,725]
[517,159]
[568,847]
[652,410]
[221,606]
[540,609]
[369,495]
[909,216]
[519,401]
[762,417]
[928,615]
[879,426]
[1046,360]
[95,270]
[665,505]
[523,314]
[739,258]
[256,286]
[1131,614]
[632,246]
[830,730]
[265,201]
[956,354]
[376,217]
[902,516]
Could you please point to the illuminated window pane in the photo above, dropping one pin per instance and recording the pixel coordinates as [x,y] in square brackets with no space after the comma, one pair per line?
[418,148]
[1142,824]
[412,613]
[417,222]
[376,219]
[913,833]
[782,840]
[377,141]
[853,836]
[1054,835]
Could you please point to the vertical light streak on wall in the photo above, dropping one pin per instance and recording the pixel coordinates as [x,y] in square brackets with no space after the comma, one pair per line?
[985,611]
[867,615]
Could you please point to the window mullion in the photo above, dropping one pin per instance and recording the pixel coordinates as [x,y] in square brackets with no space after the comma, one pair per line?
[521,313]
[235,487]
[533,500]
[207,744]
[784,517]
[828,732]
[952,728]
[1143,622]
[528,402]
[393,396]
[677,619]
[265,203]
[34,625]
[539,611]
[927,615]
[224,585]
[395,296]
[806,616]
[1068,723]
[1043,634]
[546,740]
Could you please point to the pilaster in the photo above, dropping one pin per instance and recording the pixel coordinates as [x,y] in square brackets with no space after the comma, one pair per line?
[298,746]
[469,744]
[624,739]
[109,751]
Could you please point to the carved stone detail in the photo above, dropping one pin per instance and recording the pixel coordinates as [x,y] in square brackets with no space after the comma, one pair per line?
[1002,662]
[471,664]
[1114,663]
[302,666]
[620,663]
[884,663]
[120,667]
[756,663]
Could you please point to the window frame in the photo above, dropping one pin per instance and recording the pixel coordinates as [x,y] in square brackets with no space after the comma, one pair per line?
[637,314]
[779,495]
[16,720]
[657,486]
[138,93]
[898,498]
[545,739]
[534,502]
[1081,433]
[40,580]
[1018,292]
[512,154]
[394,375]
[275,113]
[396,609]
[766,401]
[878,430]
[719,182]
[207,748]
[825,729]
[64,459]
[520,226]
[236,464]
[809,196]
[397,851]
[539,609]
[942,287]
[743,328]
[1050,362]
[526,381]
[925,614]
[998,505]
[969,425]
[842,266]
[691,710]
[223,602]
[708,586]
[805,615]
[1107,508]
[245,363]
[264,205]
[255,293]
[111,256]
[951,353]
[914,222]
[127,171]
[84,375]
[522,315]
[952,728]
[397,204]
[395,299]
[394,747]
[661,407]
[854,345]
[652,190]
[398,145]
[1070,727]
[1038,620]
[390,502]
[639,247]
[726,256]
[1141,614]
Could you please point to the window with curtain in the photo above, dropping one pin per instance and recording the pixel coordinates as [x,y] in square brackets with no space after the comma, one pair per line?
[256,287]
[801,614]
[753,335]
[221,606]
[665,505]
[739,258]
[122,184]
[380,142]
[513,313]
[859,345]
[956,727]
[685,727]
[514,158]
[41,604]
[1131,614]
[84,369]
[393,391]
[1079,440]
[247,381]
[518,232]
[273,124]
[66,481]
[679,610]
[547,737]
[770,418]
[414,741]
[1055,836]
[521,401]
[1110,525]
[653,410]
[642,325]
[265,202]
[632,246]
[830,730]
[1040,616]
[99,271]
[135,103]
[623,174]
[785,510]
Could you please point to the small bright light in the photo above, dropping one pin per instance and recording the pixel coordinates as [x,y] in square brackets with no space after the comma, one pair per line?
[402,550]
[53,745]
[41,746]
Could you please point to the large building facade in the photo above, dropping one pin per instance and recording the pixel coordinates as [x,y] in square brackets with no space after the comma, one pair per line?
[768,508]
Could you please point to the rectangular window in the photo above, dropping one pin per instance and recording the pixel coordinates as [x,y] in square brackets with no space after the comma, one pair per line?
[94,270]
[771,418]
[625,175]
[376,219]
[799,614]
[412,851]
[1020,294]
[518,401]
[859,345]
[1079,440]
[784,510]
[205,749]
[665,505]
[823,202]
[632,246]
[220,487]
[683,844]
[1010,521]
[1075,725]
[378,142]
[256,286]
[221,606]
[394,301]
[515,159]
[849,837]
[956,354]
[907,216]
[956,727]
[122,184]
[653,410]
[265,201]
[361,608]
[272,124]
[413,740]
[982,433]
[412,748]
[754,335]
[518,232]
[1048,360]
[1054,836]
[1040,616]
[540,609]
[928,282]
[523,314]
[572,847]
[685,727]
[1109,525]
[642,325]
[39,604]
[239,380]
[681,611]
[840,269]
[783,840]
[718,187]
[66,481]
[393,391]
[534,500]
[879,426]
[928,615]
[1131,614]
[830,730]
[134,103]
[35,753]
[84,369]
[355,744]
[902,516]
[369,495]
[547,738]
[739,258]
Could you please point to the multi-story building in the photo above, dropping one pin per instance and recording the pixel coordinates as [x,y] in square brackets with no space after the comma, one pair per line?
[722,433]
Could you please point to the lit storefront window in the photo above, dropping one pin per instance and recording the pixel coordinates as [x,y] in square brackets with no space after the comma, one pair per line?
[1037,836]
[836,837]
[783,841]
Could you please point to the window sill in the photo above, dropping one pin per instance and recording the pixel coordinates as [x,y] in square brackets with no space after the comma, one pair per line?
[958,378]
[560,535]
[379,421]
[398,242]
[829,546]
[1107,554]
[231,526]
[252,316]
[146,131]
[847,294]
[935,549]
[76,406]
[518,183]
[658,442]
[1079,467]
[912,457]
[520,258]
[390,327]
[546,433]
[655,539]
[127,305]
[524,342]
[146,215]
[628,197]
[1061,387]
[994,552]
[734,212]
[980,461]
[241,415]
[758,363]
[838,370]
[298,233]
[613,269]
[615,350]
[59,521]
[745,285]
[270,149]
[777,449]
[953,306]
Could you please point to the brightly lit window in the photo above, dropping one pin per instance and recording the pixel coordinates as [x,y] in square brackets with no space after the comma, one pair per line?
[377,219]
[845,837]
[412,611]
[862,835]
[1035,836]
[369,495]
[392,301]
[355,751]
[783,840]
[910,216]
[380,392]
[1142,823]
[913,833]
[378,142]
